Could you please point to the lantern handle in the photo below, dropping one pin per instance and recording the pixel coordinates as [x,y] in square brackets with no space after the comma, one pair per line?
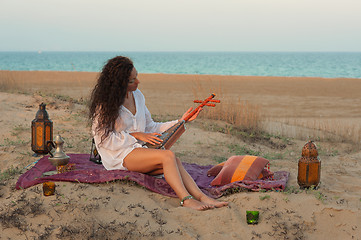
[50,145]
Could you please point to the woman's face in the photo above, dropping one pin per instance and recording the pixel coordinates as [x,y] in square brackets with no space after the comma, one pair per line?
[133,81]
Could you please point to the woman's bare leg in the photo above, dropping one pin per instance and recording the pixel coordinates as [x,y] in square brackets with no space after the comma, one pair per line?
[151,160]
[192,187]
[194,190]
[156,172]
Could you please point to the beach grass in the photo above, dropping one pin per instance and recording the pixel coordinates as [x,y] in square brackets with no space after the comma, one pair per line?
[9,173]
[244,118]
[8,83]
[249,120]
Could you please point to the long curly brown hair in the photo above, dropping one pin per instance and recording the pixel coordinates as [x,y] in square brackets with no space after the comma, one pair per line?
[109,94]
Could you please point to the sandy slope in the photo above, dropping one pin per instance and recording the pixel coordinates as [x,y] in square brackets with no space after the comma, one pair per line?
[121,210]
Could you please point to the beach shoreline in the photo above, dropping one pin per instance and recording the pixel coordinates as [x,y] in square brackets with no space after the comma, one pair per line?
[292,109]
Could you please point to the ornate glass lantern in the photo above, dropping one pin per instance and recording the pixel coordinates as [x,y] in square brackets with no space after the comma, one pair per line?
[309,166]
[41,131]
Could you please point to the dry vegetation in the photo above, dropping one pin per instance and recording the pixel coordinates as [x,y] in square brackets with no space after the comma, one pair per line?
[235,111]
[242,115]
[248,117]
[8,83]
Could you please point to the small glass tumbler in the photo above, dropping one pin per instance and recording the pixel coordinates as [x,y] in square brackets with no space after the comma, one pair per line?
[48,188]
[252,217]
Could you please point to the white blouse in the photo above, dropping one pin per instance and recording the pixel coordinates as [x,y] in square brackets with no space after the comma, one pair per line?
[120,143]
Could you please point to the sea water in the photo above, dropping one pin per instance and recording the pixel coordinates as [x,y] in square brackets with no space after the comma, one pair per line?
[302,64]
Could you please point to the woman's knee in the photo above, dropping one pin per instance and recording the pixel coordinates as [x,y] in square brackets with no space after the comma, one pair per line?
[168,156]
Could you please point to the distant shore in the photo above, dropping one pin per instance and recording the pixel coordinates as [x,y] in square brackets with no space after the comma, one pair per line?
[278,96]
[308,64]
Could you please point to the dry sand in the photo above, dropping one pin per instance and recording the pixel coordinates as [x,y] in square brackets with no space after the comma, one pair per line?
[295,107]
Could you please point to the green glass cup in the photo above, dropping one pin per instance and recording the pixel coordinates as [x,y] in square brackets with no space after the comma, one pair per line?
[252,217]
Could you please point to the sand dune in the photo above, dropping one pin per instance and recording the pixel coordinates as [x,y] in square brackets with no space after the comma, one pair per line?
[295,107]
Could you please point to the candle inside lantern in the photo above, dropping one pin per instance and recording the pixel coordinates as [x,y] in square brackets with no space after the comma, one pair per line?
[48,188]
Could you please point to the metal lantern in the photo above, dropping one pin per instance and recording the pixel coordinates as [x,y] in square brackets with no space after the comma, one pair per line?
[309,166]
[41,131]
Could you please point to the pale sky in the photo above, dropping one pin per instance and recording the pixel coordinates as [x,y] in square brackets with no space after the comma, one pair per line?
[180,25]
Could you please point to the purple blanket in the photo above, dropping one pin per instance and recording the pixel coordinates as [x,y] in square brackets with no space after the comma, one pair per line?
[88,172]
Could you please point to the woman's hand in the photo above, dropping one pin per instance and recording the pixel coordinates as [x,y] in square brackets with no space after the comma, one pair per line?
[147,137]
[188,112]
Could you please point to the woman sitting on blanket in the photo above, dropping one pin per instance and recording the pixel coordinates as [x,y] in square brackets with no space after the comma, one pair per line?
[121,124]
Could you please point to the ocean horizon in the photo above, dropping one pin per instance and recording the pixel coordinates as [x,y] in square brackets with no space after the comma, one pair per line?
[288,64]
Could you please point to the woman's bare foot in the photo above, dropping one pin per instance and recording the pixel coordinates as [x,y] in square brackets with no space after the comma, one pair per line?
[197,205]
[210,201]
